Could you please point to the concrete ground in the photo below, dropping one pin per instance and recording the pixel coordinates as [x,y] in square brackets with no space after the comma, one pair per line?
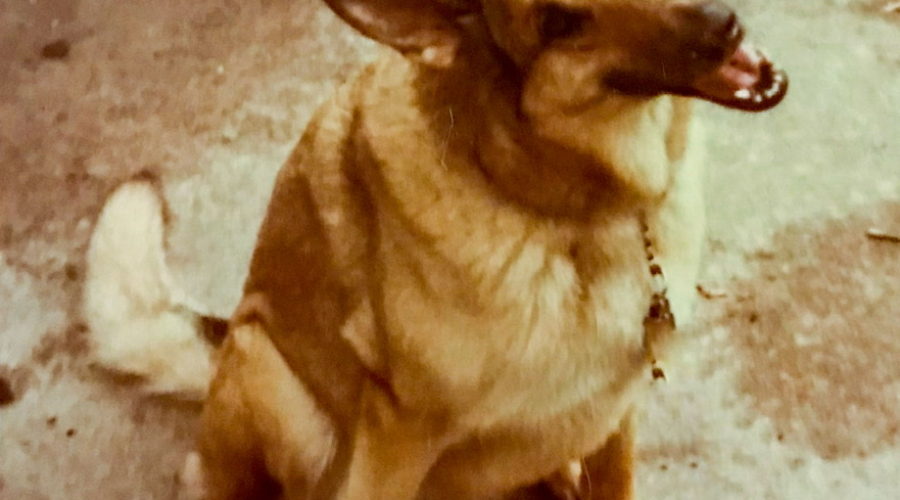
[792,389]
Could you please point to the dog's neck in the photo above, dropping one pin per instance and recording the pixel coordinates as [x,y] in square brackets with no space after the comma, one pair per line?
[540,174]
[482,95]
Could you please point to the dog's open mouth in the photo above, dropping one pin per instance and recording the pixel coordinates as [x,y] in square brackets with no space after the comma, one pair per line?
[747,80]
[712,62]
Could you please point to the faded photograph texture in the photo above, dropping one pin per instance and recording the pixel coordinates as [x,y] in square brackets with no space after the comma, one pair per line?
[790,386]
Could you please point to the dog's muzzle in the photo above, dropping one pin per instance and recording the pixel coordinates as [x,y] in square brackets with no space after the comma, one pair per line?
[745,78]
[701,53]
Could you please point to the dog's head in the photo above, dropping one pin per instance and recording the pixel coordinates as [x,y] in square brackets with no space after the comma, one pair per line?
[571,52]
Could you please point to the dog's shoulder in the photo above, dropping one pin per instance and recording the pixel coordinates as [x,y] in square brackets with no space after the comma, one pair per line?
[310,263]
[323,167]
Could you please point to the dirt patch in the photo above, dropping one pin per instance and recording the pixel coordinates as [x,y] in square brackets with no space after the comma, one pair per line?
[817,332]
[7,397]
[72,342]
[58,49]
[60,352]
[13,384]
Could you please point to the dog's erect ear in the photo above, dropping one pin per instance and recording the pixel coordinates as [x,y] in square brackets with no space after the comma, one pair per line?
[424,29]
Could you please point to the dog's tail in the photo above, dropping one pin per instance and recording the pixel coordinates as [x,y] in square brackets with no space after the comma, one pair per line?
[140,323]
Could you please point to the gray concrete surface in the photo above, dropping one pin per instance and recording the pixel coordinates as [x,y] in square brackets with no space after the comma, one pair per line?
[791,390]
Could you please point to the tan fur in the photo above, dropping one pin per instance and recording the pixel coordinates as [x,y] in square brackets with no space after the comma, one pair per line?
[492,343]
[447,294]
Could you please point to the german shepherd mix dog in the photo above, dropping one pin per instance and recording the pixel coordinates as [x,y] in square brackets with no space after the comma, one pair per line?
[456,292]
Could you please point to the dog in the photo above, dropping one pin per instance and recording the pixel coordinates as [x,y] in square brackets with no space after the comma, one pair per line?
[469,264]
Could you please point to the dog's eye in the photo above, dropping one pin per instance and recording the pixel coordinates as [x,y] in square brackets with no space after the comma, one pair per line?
[559,22]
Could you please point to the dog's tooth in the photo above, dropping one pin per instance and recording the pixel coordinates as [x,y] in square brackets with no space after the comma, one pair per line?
[757,98]
[430,55]
[742,94]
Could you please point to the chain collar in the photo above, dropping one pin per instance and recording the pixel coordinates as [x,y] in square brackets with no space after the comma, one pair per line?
[659,321]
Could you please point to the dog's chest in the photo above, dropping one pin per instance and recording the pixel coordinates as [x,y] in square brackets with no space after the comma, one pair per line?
[509,316]
[488,308]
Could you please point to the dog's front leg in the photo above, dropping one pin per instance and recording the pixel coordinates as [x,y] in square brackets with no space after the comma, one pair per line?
[393,449]
[608,474]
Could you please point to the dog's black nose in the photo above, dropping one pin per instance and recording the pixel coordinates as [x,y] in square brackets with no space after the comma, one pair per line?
[720,20]
[712,17]
[712,27]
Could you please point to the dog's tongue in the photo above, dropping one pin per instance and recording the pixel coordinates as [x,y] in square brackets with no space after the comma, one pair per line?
[742,69]
[747,80]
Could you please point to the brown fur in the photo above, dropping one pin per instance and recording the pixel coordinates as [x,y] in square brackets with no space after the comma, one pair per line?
[447,294]
[420,241]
